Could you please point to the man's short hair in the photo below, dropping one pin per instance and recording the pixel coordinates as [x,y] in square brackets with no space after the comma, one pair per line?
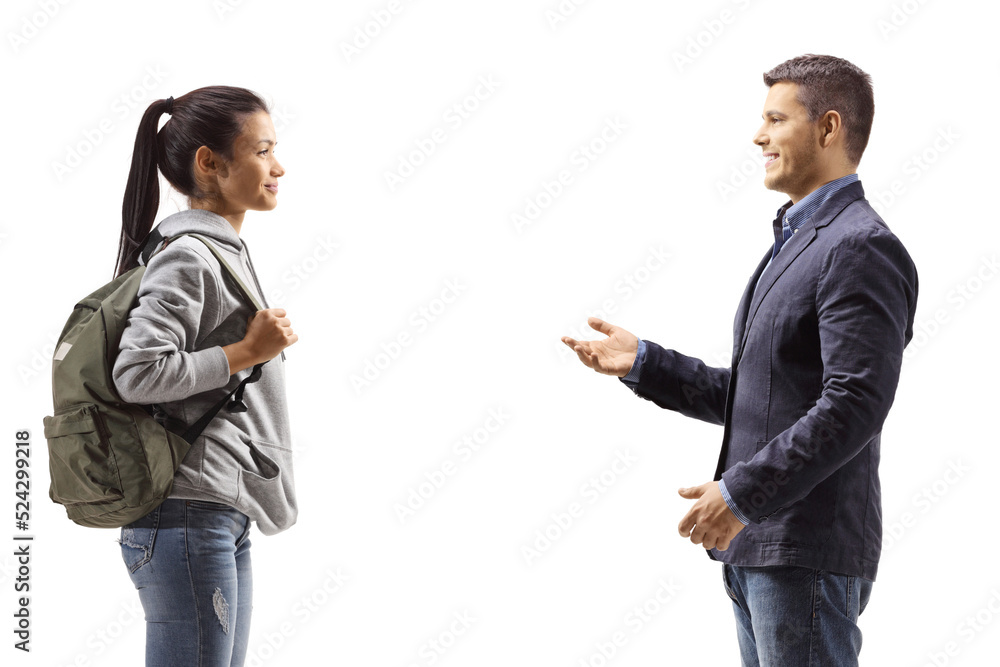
[826,84]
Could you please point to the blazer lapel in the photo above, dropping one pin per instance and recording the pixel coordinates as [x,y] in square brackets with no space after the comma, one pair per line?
[792,248]
[744,308]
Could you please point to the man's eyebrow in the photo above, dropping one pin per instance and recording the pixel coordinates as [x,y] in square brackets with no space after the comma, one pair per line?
[773,112]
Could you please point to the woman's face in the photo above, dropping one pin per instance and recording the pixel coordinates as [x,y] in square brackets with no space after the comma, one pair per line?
[249,182]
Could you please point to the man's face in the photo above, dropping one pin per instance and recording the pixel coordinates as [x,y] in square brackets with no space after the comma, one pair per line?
[791,144]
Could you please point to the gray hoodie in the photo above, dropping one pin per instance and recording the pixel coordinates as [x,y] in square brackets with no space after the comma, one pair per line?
[171,355]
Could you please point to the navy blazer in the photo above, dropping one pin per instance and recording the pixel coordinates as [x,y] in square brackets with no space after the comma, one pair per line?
[817,349]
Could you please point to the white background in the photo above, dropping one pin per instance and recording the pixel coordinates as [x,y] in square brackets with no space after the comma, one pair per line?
[343,122]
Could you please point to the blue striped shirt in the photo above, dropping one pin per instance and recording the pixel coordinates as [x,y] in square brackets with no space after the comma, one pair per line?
[796,215]
[792,218]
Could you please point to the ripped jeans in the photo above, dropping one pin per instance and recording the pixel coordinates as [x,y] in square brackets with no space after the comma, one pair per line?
[190,561]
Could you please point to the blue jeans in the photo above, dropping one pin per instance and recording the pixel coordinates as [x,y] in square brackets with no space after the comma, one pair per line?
[796,617]
[190,561]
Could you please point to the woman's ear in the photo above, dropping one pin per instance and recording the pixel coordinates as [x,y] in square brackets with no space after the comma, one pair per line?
[209,164]
[208,168]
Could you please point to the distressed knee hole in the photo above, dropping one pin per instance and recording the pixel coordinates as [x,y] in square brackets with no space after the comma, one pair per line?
[221,609]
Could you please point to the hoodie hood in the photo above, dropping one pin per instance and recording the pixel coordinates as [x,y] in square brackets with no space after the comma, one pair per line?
[199,221]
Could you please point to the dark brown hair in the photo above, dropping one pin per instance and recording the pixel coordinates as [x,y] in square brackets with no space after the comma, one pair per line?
[212,116]
[826,84]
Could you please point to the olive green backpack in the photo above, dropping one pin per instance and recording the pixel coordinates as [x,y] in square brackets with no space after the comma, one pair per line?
[112,462]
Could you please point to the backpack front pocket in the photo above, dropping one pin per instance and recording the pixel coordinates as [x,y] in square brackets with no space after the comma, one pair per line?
[82,464]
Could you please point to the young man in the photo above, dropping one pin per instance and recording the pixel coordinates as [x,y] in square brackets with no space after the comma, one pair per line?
[794,513]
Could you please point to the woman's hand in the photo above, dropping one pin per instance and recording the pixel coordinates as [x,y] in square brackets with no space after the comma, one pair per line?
[268,333]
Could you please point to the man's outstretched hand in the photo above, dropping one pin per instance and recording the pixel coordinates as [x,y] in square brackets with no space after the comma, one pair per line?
[709,522]
[613,355]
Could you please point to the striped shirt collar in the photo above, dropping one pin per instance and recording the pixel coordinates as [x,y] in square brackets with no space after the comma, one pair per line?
[797,215]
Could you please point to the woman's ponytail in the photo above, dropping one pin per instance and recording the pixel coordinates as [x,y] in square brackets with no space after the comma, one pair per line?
[142,194]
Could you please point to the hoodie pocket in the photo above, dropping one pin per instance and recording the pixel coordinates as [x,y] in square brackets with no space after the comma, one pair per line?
[266,490]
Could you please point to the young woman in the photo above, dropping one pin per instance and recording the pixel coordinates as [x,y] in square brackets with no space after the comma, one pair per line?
[190,340]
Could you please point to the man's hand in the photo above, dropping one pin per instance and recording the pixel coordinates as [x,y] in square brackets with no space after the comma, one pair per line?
[612,356]
[714,524]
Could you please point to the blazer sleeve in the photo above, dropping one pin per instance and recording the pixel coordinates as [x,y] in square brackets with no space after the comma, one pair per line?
[865,301]
[158,360]
[684,384]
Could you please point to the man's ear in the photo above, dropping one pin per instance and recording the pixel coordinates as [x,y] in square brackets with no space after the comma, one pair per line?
[831,126]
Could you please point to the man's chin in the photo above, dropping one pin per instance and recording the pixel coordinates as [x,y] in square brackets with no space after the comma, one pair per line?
[773,183]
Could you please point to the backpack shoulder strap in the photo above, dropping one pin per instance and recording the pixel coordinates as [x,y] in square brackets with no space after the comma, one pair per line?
[236,405]
[232,274]
[247,293]
[151,244]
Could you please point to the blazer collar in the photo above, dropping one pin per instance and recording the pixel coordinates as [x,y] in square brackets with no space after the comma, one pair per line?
[790,251]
